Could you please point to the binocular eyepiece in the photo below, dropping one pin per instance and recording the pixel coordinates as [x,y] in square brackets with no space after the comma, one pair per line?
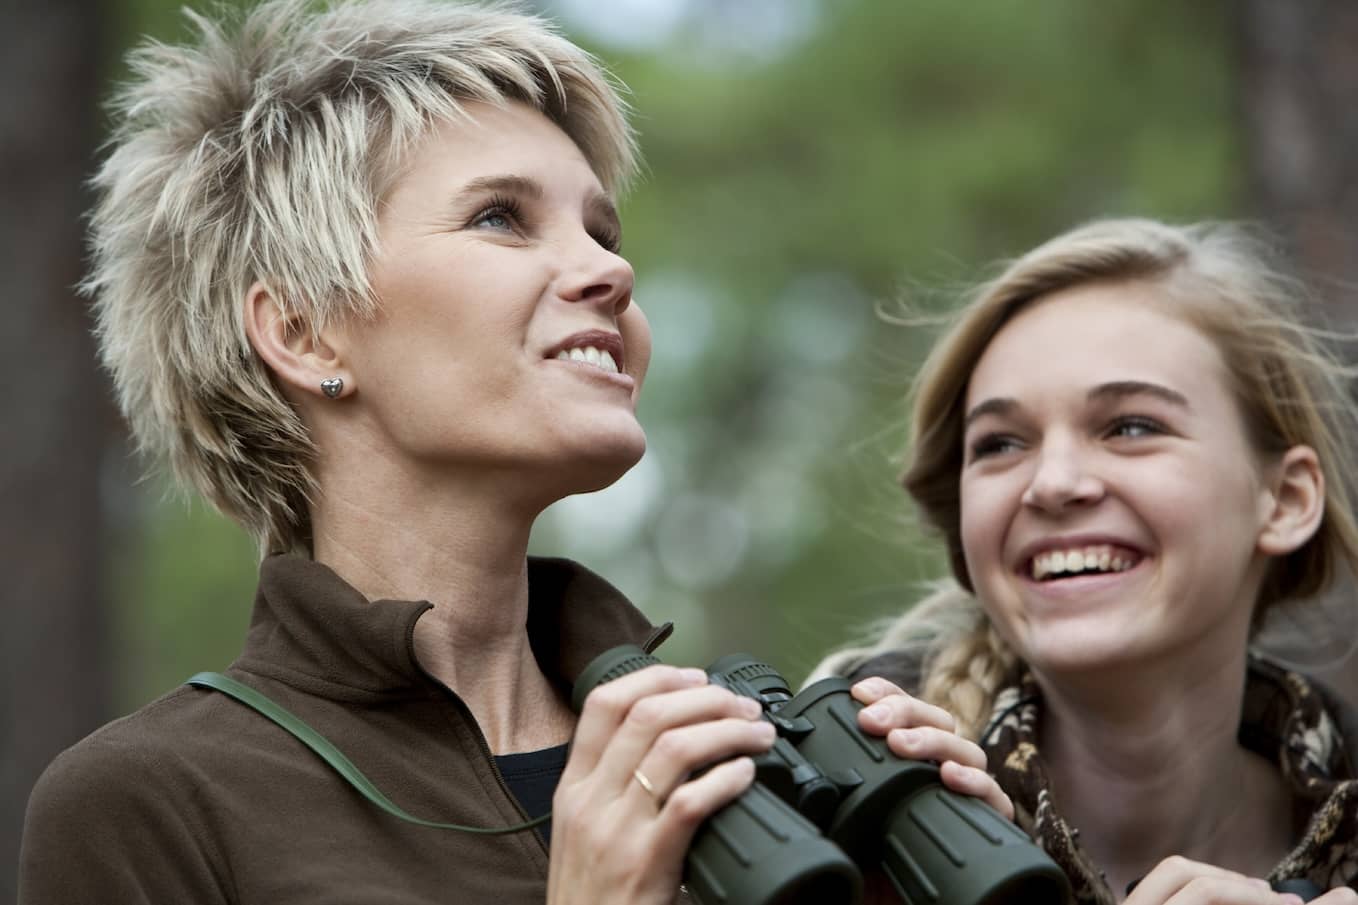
[829,800]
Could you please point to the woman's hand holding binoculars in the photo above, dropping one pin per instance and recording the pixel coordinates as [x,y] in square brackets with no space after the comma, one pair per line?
[634,791]
[920,731]
[627,806]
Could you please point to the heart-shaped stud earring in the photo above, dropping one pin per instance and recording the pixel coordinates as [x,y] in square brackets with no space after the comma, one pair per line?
[332,386]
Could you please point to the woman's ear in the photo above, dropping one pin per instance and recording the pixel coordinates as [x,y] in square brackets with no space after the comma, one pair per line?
[1295,503]
[302,361]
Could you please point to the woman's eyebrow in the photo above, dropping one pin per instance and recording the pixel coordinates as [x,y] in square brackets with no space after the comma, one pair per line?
[995,405]
[1118,389]
[507,184]
[1115,389]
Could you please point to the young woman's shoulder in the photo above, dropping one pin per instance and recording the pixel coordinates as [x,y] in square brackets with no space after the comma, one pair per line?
[904,667]
[900,649]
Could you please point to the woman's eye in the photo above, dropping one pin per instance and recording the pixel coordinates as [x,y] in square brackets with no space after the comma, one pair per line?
[500,214]
[1135,426]
[992,445]
[494,218]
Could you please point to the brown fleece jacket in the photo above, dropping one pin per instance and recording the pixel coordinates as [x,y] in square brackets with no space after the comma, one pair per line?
[197,799]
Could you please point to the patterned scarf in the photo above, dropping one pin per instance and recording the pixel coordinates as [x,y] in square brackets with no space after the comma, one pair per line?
[1284,718]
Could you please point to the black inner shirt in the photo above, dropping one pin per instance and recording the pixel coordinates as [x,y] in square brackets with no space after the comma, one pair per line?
[532,777]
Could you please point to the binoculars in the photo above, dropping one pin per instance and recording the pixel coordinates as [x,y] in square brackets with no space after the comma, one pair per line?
[829,800]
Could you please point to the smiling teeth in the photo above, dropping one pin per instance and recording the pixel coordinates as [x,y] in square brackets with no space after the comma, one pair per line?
[1087,559]
[591,356]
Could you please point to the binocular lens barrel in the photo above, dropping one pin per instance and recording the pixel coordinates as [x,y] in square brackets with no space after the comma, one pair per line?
[935,845]
[759,850]
[944,847]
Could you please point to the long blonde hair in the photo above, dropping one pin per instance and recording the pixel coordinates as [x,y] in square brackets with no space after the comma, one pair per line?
[1290,388]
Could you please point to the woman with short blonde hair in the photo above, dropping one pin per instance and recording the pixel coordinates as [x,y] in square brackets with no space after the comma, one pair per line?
[267,149]
[358,281]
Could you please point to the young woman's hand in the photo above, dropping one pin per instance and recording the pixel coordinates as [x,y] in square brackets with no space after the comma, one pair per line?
[1179,881]
[921,731]
[626,807]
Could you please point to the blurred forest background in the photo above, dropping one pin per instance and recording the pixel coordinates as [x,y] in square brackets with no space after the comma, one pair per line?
[810,162]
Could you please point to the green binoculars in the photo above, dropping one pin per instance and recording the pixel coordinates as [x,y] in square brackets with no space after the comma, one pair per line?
[829,801]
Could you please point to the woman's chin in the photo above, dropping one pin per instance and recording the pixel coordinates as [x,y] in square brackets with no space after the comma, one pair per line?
[603,460]
[1074,650]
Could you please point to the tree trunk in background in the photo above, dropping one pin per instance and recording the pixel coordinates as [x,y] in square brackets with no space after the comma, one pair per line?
[53,635]
[1299,98]
[1298,67]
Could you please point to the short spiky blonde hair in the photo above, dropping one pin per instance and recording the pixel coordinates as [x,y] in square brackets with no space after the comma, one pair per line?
[259,152]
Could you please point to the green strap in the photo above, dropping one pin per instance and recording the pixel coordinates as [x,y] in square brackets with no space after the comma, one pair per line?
[332,755]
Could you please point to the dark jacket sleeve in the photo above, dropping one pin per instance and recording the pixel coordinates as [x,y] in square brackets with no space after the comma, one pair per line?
[102,826]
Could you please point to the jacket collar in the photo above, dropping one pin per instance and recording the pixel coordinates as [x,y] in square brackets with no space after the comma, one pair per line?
[310,627]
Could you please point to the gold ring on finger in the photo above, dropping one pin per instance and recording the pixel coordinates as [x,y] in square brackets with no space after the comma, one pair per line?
[646,784]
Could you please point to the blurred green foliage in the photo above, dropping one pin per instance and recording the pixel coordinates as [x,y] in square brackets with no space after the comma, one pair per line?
[897,149]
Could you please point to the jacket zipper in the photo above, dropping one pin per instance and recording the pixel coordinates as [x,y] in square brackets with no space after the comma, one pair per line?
[657,637]
[487,755]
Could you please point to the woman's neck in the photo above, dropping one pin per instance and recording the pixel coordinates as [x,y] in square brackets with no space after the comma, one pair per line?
[1156,770]
[467,555]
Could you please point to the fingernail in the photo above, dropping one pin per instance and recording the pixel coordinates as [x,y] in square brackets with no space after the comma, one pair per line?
[693,676]
[764,731]
[750,708]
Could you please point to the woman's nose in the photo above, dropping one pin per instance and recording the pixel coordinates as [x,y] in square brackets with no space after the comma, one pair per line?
[1062,478]
[599,277]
